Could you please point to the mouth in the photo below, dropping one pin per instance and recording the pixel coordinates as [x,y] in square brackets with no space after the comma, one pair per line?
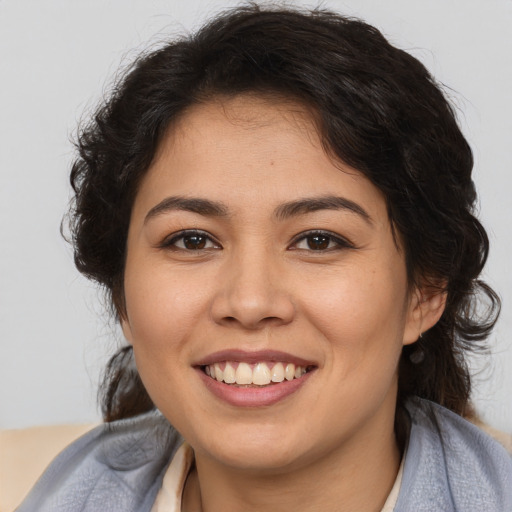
[259,374]
[254,379]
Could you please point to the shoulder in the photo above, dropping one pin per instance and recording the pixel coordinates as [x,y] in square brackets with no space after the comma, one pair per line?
[116,467]
[451,464]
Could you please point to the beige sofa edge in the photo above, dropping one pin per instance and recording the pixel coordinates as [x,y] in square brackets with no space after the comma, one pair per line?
[24,455]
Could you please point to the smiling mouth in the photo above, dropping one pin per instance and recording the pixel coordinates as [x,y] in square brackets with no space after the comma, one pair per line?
[261,374]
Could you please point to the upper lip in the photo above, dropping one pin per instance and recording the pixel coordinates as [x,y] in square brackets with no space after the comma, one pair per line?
[250,357]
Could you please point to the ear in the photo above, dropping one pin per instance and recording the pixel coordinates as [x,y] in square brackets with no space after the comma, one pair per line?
[425,309]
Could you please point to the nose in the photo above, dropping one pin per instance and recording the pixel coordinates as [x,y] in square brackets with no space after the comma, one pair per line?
[253,293]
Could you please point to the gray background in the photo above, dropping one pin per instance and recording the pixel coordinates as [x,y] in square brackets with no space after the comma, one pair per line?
[56,58]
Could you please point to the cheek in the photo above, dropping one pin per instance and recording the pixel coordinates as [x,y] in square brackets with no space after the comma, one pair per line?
[361,318]
[357,300]
[164,315]
[163,309]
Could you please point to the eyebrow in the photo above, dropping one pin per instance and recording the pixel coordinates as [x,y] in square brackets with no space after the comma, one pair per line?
[313,204]
[193,204]
[295,208]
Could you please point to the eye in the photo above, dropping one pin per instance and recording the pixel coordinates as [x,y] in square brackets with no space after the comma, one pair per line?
[320,241]
[190,240]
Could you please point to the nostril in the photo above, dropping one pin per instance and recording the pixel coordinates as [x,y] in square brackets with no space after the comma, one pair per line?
[251,324]
[229,320]
[251,306]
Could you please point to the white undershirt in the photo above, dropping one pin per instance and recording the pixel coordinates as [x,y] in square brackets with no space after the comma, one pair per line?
[170,495]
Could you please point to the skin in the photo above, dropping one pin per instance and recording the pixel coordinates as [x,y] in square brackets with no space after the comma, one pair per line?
[257,284]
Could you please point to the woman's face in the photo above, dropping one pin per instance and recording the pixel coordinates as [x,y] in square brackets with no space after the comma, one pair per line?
[253,257]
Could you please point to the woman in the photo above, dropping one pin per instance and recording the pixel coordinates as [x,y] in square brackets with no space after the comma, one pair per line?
[281,209]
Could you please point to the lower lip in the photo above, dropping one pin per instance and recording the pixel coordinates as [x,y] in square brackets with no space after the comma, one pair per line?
[253,396]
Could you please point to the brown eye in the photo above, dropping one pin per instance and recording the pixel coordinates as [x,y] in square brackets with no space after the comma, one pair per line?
[194,242]
[318,242]
[190,241]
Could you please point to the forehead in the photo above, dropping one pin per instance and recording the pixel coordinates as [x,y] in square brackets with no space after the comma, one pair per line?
[251,151]
[263,123]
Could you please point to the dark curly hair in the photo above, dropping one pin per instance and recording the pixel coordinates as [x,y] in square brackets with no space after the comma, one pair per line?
[376,107]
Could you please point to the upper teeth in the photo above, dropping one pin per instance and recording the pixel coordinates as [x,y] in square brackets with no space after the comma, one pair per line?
[260,374]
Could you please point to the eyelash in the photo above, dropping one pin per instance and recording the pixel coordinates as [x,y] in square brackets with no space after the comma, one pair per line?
[339,242]
[171,242]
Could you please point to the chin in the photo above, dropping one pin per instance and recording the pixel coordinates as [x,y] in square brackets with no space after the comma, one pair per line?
[262,448]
